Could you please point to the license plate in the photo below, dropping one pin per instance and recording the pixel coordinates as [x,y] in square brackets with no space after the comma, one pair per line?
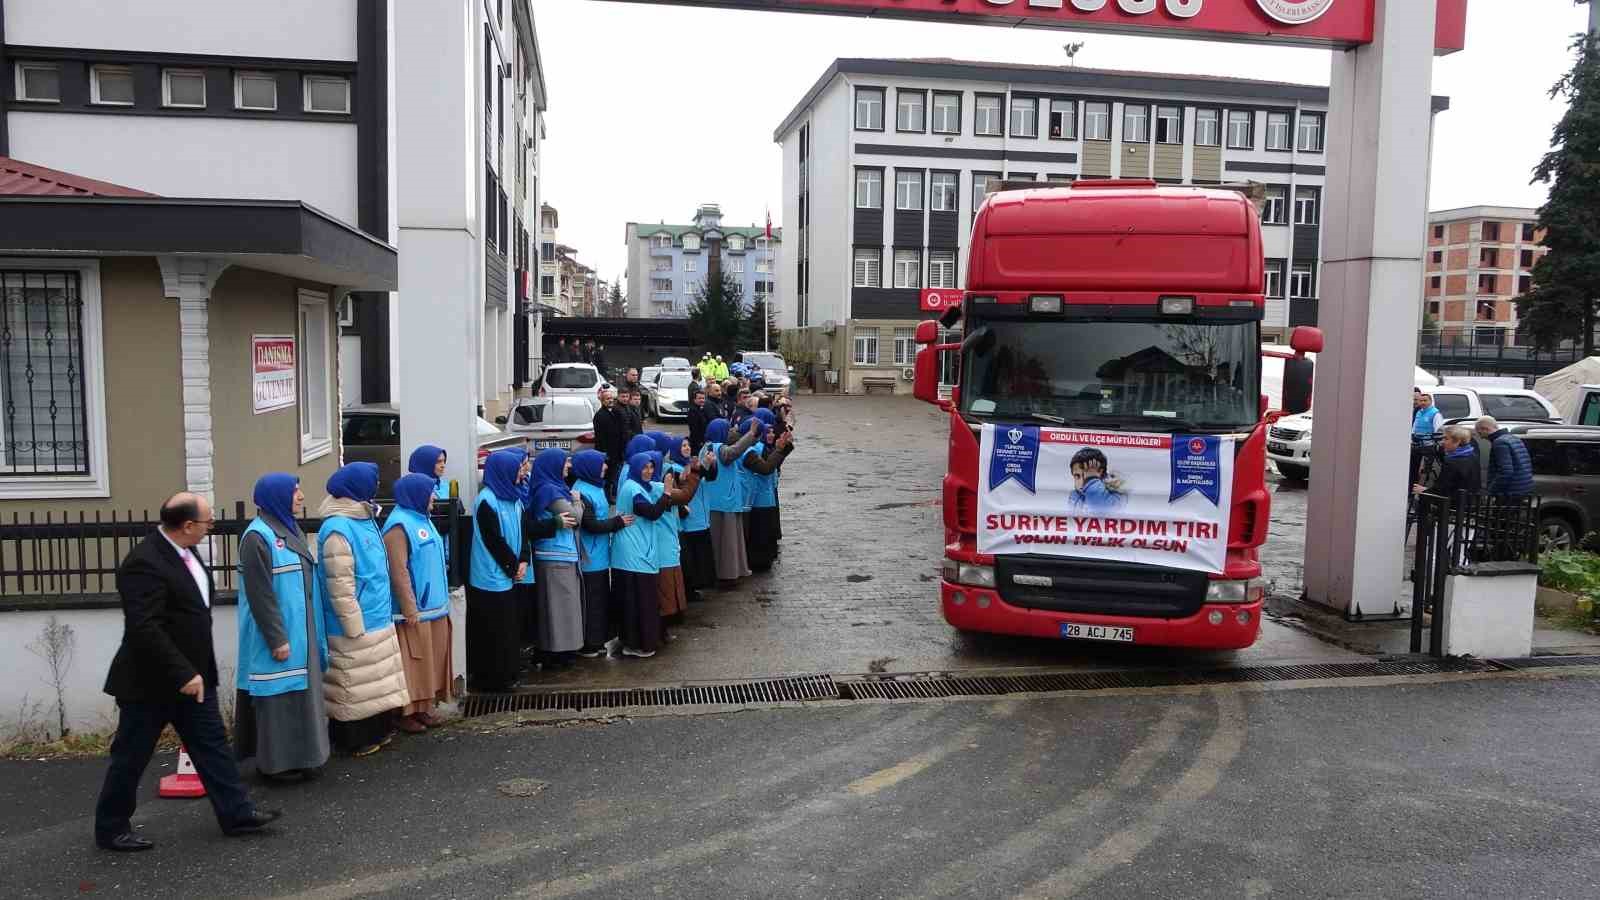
[546,445]
[1097,632]
[1275,447]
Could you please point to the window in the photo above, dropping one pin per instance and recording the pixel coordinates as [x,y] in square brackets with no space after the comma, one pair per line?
[736,265]
[547,249]
[1278,131]
[1169,125]
[1097,121]
[1526,259]
[326,94]
[691,242]
[869,189]
[1305,206]
[690,286]
[1241,124]
[347,312]
[1491,232]
[547,285]
[663,241]
[691,264]
[983,184]
[1589,414]
[1489,258]
[866,347]
[183,88]
[1135,123]
[763,265]
[908,268]
[1063,120]
[908,189]
[942,269]
[736,242]
[1524,284]
[371,431]
[1438,232]
[1514,407]
[867,265]
[1486,284]
[1274,286]
[1437,257]
[315,377]
[910,110]
[1310,132]
[946,113]
[1207,128]
[1454,406]
[986,115]
[905,347]
[1275,211]
[1021,176]
[1024,117]
[942,191]
[661,285]
[1060,179]
[38,82]
[111,85]
[1435,282]
[869,109]
[255,90]
[1527,232]
[1301,282]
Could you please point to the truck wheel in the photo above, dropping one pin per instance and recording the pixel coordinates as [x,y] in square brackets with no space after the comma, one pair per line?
[1556,533]
[1294,472]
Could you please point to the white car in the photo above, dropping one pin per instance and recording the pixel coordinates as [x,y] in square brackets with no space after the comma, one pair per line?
[667,396]
[571,380]
[774,371]
[669,363]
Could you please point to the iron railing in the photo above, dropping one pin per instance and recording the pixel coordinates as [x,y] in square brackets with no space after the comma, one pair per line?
[1456,534]
[51,556]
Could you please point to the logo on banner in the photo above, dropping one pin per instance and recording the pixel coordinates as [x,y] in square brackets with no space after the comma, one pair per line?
[938,300]
[1197,468]
[1015,456]
[1295,12]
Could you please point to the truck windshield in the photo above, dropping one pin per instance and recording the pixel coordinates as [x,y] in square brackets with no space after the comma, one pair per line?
[1136,375]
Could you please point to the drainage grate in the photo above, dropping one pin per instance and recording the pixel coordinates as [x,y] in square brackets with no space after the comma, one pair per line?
[778,690]
[1550,662]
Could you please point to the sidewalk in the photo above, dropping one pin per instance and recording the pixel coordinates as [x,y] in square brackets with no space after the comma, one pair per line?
[1391,637]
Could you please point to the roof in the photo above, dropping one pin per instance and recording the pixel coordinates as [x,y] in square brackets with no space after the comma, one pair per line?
[24,178]
[1075,78]
[1483,212]
[646,229]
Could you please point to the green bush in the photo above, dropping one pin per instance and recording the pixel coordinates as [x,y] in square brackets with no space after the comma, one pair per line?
[1573,571]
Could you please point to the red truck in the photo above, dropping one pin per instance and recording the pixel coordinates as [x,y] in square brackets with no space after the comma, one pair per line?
[1106,470]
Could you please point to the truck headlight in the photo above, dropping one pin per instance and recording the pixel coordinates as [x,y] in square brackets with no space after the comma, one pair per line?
[1250,591]
[977,576]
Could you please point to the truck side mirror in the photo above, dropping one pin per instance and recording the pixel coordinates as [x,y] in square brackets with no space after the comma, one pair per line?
[925,386]
[1306,339]
[927,332]
[1297,378]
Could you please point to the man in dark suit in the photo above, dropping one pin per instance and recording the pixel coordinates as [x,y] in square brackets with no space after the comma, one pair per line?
[165,672]
[609,428]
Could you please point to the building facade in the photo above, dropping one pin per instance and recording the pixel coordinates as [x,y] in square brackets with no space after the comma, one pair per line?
[885,163]
[668,264]
[1480,259]
[549,262]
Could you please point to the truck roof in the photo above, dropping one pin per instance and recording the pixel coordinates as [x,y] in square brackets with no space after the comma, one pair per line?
[1101,207]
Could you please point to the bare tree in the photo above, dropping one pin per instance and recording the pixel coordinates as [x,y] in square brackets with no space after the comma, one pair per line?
[55,645]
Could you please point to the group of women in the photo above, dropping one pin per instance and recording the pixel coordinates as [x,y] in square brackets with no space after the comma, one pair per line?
[342,646]
[559,564]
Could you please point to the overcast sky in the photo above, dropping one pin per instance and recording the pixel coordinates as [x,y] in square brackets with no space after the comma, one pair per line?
[656,108]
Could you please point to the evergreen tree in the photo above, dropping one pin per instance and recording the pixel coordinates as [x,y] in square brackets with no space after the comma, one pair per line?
[750,332]
[616,306]
[1567,280]
[717,315]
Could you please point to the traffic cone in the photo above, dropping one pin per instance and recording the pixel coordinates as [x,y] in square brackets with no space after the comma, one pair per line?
[186,781]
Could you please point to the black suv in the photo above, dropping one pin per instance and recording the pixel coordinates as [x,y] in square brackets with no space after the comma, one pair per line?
[1566,476]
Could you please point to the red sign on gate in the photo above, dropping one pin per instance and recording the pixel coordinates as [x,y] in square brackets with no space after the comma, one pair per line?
[940,299]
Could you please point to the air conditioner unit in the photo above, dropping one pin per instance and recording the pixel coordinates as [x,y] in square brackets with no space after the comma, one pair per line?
[908,374]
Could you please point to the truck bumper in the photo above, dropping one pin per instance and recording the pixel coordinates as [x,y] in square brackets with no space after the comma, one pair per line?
[979,609]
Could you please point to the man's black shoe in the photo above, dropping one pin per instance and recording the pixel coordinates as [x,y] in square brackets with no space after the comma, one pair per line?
[256,821]
[127,842]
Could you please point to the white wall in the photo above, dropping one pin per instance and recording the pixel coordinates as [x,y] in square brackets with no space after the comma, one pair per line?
[436,119]
[832,206]
[294,29]
[193,157]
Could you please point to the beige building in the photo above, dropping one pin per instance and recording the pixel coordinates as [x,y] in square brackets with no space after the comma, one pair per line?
[1480,259]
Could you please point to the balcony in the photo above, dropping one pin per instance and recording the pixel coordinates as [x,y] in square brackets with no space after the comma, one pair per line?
[661,251]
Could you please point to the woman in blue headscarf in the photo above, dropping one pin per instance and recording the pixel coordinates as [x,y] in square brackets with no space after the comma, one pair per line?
[559,583]
[725,496]
[418,566]
[601,620]
[365,682]
[696,556]
[633,562]
[761,492]
[430,461]
[500,572]
[639,443]
[680,483]
[280,717]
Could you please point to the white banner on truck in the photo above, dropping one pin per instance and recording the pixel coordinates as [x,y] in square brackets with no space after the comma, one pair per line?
[1157,499]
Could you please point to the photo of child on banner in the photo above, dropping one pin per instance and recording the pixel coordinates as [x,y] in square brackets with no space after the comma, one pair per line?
[1159,499]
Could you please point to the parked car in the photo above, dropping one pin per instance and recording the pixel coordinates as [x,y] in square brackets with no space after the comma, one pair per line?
[1566,476]
[571,380]
[647,375]
[667,396]
[372,434]
[774,371]
[674,362]
[553,421]
[1289,438]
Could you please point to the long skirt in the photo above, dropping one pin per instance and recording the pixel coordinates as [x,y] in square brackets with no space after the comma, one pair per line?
[698,561]
[426,657]
[349,737]
[637,594]
[671,592]
[599,624]
[494,638]
[559,588]
[727,534]
[288,731]
[762,537]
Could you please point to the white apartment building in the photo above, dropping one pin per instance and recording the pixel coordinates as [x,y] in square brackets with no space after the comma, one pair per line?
[885,162]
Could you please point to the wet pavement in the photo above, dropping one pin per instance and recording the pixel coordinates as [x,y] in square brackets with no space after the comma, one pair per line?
[856,587]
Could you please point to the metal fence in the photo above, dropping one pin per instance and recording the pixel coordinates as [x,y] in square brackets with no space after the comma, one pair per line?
[1489,351]
[1454,536]
[59,556]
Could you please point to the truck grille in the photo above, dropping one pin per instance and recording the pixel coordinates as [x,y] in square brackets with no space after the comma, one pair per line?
[1284,434]
[1087,586]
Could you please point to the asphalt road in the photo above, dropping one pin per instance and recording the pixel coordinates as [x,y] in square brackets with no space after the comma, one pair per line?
[1416,788]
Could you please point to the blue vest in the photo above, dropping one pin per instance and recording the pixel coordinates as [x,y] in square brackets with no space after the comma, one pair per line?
[666,527]
[1422,422]
[747,478]
[259,674]
[442,490]
[371,573]
[699,518]
[484,573]
[724,494]
[427,563]
[764,489]
[597,547]
[563,547]
[633,548]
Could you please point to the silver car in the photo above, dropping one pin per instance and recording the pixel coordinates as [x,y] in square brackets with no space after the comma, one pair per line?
[553,421]
[667,396]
